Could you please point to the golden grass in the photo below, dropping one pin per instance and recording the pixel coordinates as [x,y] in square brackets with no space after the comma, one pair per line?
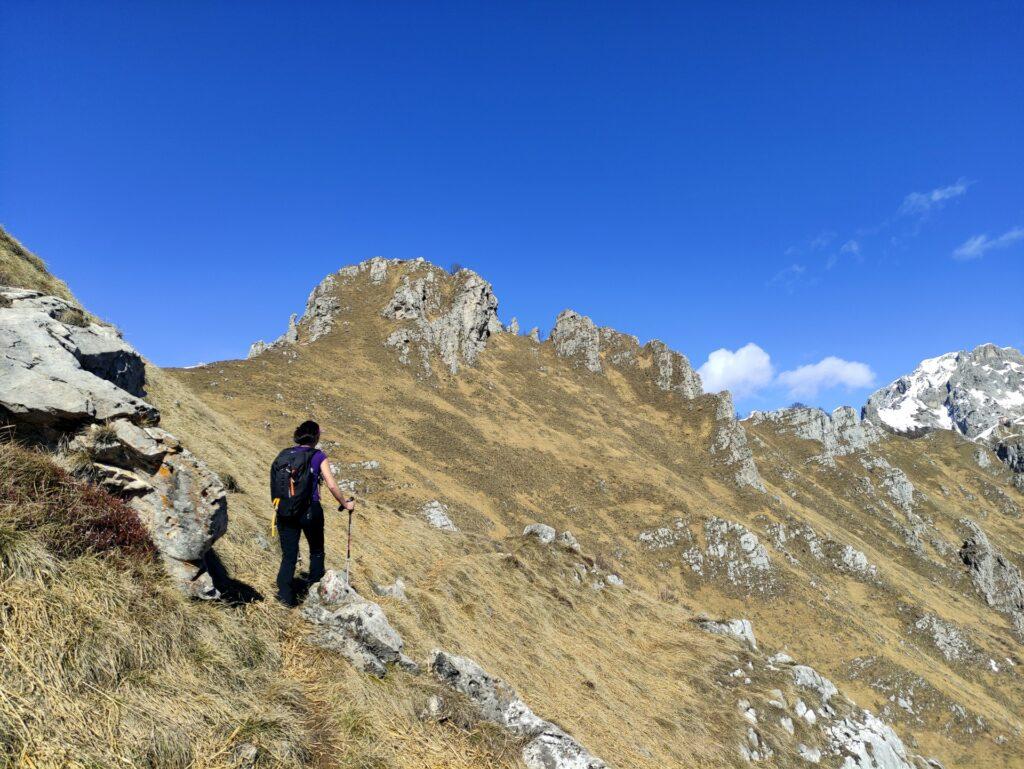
[23,269]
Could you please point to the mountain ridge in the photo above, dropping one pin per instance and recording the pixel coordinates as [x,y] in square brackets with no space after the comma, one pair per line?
[701,621]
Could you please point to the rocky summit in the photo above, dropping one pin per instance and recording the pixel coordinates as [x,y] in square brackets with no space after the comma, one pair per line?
[977,393]
[566,555]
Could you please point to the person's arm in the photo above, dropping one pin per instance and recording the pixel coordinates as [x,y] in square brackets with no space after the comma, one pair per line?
[332,485]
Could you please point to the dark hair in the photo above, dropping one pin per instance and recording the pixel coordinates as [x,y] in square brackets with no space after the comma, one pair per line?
[307,434]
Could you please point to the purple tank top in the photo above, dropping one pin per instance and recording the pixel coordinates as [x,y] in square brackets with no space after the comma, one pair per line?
[314,468]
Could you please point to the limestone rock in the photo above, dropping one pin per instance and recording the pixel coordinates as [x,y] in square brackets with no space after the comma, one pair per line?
[730,445]
[568,540]
[547,745]
[674,372]
[840,434]
[947,638]
[576,337]
[353,626]
[740,629]
[457,328]
[513,326]
[395,590]
[56,374]
[541,531]
[534,334]
[867,742]
[735,553]
[436,513]
[994,575]
[187,511]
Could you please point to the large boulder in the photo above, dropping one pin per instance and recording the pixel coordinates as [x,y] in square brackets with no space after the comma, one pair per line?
[353,626]
[60,370]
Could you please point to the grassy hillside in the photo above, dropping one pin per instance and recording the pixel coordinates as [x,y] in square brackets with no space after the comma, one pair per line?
[105,664]
[525,436]
[23,269]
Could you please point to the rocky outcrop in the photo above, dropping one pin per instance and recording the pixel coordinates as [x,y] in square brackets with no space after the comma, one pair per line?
[547,746]
[356,628]
[436,513]
[673,370]
[456,328]
[577,338]
[734,553]
[729,444]
[59,371]
[833,730]
[64,378]
[547,535]
[740,629]
[996,577]
[841,433]
[795,538]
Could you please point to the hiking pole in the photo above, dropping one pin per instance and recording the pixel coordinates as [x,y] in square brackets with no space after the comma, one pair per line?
[348,553]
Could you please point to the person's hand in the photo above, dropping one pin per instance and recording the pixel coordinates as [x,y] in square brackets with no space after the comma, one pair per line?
[349,504]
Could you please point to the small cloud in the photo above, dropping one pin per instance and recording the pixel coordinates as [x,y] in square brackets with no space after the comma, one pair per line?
[788,278]
[807,381]
[821,240]
[742,372]
[849,248]
[922,203]
[979,245]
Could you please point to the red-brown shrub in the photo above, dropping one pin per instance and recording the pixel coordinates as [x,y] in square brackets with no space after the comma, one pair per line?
[71,516]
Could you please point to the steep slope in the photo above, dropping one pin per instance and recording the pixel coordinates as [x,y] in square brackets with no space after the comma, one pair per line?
[584,433]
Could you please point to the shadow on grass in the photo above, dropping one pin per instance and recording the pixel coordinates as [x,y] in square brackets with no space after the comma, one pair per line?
[232,591]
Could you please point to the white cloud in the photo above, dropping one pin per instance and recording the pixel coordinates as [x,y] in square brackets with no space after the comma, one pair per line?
[851,247]
[921,203]
[788,278]
[979,245]
[742,372]
[807,381]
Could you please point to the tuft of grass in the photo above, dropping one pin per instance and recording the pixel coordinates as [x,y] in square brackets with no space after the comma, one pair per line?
[72,316]
[21,268]
[231,483]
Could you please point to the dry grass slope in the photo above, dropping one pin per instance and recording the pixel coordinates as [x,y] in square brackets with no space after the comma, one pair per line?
[21,268]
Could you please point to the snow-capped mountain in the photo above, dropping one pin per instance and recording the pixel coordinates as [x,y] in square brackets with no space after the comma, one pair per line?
[980,394]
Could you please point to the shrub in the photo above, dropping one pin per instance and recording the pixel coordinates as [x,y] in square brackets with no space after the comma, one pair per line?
[230,483]
[71,517]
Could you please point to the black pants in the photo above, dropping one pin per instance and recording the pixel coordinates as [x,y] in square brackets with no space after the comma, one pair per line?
[311,523]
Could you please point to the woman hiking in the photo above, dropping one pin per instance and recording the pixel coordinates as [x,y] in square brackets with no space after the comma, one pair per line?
[295,478]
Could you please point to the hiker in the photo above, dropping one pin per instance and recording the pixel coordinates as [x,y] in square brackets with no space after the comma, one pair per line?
[295,478]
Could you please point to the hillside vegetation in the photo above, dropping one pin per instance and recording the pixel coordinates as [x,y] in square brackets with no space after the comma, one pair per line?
[850,560]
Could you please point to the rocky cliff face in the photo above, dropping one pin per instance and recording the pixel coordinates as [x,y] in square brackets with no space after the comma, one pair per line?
[840,433]
[979,394]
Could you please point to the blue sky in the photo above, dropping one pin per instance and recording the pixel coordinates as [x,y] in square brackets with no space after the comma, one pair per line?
[840,185]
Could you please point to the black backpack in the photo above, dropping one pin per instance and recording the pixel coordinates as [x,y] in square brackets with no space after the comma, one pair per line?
[291,482]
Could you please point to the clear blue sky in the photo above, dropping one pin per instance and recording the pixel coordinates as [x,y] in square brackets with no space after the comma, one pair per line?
[709,174]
